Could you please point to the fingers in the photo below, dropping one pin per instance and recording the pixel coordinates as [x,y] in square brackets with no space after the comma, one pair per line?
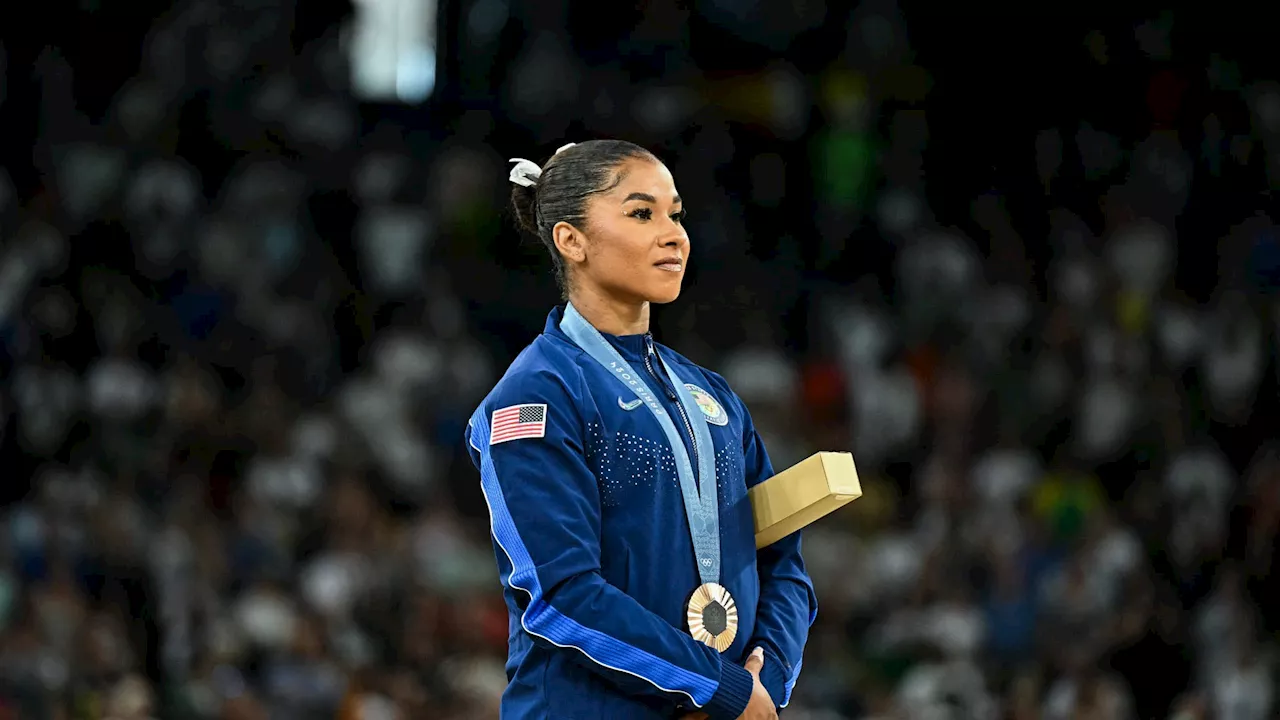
[755,663]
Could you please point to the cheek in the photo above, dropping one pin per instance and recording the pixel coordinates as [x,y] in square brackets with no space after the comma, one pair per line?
[620,255]
[638,255]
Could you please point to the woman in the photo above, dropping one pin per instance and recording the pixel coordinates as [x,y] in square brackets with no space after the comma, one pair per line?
[616,474]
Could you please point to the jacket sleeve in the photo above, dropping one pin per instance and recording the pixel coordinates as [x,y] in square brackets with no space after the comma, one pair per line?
[788,605]
[544,510]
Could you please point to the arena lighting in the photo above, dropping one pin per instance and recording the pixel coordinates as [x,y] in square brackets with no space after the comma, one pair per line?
[392,47]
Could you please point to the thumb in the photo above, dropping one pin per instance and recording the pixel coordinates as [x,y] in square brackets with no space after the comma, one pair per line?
[755,663]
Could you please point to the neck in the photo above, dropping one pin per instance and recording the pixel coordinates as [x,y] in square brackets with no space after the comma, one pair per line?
[611,315]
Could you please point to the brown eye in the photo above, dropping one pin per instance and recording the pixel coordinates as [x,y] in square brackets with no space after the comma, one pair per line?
[641,213]
[679,217]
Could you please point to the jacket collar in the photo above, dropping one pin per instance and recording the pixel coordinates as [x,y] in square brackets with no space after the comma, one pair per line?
[632,347]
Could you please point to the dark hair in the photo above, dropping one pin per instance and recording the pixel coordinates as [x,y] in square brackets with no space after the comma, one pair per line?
[568,179]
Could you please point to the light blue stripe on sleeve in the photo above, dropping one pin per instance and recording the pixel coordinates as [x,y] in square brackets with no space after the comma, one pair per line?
[542,620]
[795,671]
[791,683]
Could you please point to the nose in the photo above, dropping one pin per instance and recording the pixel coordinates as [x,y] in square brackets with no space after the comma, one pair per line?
[674,237]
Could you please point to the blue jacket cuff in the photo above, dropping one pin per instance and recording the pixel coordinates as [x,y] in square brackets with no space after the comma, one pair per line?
[733,694]
[774,677]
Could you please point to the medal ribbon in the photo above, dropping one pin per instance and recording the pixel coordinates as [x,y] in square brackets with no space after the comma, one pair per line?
[701,496]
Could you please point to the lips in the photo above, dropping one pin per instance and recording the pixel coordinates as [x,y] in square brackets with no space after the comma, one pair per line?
[670,264]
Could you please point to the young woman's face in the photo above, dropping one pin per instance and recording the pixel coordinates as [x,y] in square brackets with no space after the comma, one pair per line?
[636,248]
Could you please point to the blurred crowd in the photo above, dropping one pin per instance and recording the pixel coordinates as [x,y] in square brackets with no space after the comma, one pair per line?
[244,318]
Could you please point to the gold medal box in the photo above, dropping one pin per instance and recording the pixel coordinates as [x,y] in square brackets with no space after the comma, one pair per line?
[802,494]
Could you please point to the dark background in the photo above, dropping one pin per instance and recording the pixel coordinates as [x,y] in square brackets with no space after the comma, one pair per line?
[244,315]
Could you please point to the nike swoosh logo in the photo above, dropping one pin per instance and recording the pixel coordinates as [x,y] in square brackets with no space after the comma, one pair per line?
[630,405]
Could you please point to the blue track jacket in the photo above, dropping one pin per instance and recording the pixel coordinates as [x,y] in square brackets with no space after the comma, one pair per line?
[593,545]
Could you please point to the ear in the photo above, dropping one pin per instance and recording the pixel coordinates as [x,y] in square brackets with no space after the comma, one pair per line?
[570,241]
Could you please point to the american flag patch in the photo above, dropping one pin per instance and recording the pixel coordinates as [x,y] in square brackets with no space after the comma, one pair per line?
[518,421]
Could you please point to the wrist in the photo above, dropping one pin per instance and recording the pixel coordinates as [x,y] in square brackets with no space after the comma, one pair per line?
[773,676]
[733,693]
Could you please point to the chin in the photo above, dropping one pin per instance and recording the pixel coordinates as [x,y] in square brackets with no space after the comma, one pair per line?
[663,295]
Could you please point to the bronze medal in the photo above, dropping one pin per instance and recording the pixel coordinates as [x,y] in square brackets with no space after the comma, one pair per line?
[713,616]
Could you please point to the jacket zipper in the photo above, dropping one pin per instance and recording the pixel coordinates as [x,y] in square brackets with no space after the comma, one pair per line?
[650,353]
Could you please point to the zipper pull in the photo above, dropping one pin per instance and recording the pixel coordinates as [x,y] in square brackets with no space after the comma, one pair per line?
[653,363]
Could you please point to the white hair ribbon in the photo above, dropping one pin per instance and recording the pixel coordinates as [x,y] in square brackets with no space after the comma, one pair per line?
[525,172]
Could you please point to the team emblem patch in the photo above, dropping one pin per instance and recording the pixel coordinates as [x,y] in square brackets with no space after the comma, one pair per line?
[713,411]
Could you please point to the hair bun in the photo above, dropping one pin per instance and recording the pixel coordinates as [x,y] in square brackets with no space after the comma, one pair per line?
[524,201]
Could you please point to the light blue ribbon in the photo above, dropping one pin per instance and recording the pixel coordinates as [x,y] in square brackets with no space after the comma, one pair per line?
[701,496]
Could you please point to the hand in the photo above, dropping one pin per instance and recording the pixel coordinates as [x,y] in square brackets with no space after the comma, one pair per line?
[761,705]
[760,700]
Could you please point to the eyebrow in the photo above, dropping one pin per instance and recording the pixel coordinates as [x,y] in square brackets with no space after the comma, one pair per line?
[646,197]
